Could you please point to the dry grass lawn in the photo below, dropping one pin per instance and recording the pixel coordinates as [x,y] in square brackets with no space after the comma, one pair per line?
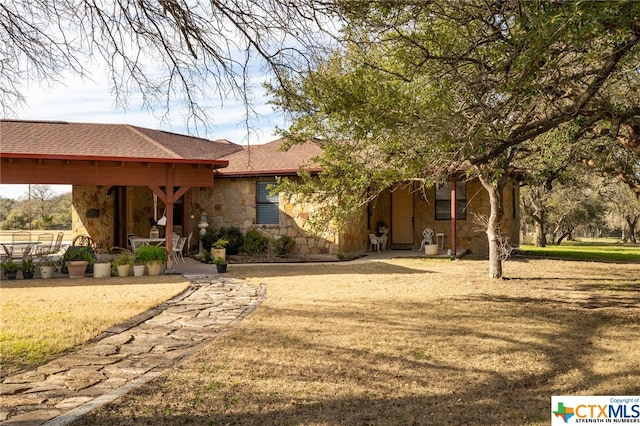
[408,341]
[40,319]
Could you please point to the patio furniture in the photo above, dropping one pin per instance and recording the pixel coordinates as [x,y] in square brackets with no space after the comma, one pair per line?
[189,243]
[178,246]
[374,241]
[427,237]
[137,242]
[46,243]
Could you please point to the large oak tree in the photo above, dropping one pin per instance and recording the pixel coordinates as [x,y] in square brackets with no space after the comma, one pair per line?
[419,88]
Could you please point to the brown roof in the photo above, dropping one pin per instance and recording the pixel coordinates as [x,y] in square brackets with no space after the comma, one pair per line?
[57,139]
[271,160]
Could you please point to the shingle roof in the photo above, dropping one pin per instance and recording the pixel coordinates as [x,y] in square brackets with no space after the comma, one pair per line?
[64,139]
[270,160]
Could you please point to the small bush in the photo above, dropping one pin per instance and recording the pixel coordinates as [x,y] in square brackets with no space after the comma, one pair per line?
[233,234]
[255,243]
[282,245]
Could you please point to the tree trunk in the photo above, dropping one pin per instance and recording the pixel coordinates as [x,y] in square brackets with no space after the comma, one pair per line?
[493,225]
[541,238]
[632,229]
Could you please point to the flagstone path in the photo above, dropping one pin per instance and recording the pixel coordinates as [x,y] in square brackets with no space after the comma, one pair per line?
[127,355]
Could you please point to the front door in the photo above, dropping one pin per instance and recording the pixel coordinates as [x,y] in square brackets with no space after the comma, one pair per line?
[402,217]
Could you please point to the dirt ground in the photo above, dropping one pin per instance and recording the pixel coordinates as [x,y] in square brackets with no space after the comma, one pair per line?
[403,342]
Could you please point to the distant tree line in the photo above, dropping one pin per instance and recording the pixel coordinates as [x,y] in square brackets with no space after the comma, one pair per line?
[41,209]
[554,210]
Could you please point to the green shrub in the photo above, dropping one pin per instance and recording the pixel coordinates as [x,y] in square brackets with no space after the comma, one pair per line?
[232,234]
[282,245]
[150,253]
[78,253]
[209,237]
[255,243]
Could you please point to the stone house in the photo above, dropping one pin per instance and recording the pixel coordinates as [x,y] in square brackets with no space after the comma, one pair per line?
[115,170]
[240,197]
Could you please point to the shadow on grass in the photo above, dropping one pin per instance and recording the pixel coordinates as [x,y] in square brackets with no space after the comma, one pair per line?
[485,359]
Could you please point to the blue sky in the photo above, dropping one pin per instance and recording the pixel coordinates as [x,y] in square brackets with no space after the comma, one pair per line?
[91,100]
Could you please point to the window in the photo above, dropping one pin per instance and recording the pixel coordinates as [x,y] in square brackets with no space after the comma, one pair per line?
[267,211]
[443,201]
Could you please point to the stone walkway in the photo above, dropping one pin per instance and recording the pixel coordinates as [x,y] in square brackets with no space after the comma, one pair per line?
[127,355]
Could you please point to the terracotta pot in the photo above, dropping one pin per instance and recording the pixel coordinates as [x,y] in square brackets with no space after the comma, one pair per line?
[77,268]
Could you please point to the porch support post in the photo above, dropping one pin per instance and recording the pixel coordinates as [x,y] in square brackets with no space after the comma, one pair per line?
[454,212]
[169,197]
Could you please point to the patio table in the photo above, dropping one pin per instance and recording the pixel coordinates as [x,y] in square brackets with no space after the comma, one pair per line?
[137,242]
[18,250]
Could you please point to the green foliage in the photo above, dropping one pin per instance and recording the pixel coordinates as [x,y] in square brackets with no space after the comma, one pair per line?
[27,265]
[79,253]
[232,234]
[282,245]
[218,260]
[45,209]
[255,243]
[220,243]
[10,265]
[147,254]
[124,258]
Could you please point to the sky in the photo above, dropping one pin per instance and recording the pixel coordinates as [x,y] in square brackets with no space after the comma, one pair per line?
[91,100]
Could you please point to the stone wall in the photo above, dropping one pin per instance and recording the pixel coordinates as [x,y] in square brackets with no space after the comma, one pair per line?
[470,235]
[232,202]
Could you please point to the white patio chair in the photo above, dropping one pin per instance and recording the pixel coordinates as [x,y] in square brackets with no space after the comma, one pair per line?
[374,241]
[178,246]
[427,237]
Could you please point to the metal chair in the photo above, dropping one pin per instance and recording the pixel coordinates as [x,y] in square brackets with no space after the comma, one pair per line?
[45,246]
[58,244]
[178,246]
[20,244]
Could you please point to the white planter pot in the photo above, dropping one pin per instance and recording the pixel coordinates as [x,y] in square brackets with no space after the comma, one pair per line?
[123,270]
[47,271]
[101,270]
[431,249]
[138,270]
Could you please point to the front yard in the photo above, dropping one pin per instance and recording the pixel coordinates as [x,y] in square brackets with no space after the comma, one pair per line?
[409,341]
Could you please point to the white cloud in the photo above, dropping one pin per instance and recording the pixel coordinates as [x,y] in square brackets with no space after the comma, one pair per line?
[91,100]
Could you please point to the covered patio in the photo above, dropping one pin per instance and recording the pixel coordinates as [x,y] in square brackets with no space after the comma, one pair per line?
[111,157]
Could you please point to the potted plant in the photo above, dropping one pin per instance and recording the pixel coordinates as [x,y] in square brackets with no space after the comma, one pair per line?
[28,268]
[153,258]
[102,267]
[221,265]
[10,269]
[47,267]
[218,248]
[123,262]
[76,260]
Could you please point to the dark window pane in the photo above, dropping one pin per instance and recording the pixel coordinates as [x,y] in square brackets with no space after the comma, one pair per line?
[267,211]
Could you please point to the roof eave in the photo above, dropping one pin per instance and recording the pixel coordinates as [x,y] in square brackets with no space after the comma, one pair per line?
[67,157]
